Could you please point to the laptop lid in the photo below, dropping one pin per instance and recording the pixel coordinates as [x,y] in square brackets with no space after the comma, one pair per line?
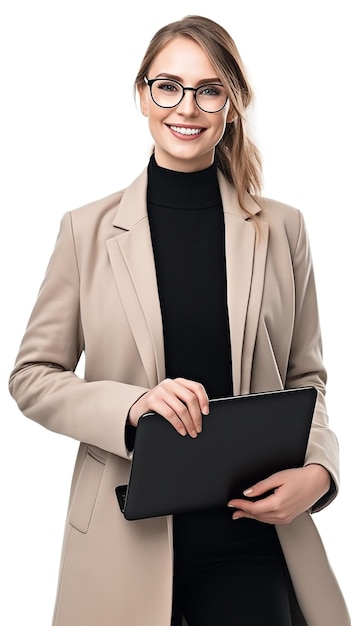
[244,439]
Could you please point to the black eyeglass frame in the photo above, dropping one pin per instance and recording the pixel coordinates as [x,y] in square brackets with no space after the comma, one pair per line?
[151,81]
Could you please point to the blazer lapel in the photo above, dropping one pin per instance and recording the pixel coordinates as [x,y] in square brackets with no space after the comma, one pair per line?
[254,305]
[245,260]
[132,260]
[133,265]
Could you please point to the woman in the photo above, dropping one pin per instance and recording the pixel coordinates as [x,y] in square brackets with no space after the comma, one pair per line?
[185,286]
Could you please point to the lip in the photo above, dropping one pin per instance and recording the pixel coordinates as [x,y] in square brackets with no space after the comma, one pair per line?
[186,136]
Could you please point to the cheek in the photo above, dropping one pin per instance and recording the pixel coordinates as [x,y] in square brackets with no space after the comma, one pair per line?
[222,124]
[155,125]
[156,116]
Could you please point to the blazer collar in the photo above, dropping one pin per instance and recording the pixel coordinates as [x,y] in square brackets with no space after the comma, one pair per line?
[132,207]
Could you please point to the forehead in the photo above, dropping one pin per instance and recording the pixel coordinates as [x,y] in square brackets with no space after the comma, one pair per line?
[185,59]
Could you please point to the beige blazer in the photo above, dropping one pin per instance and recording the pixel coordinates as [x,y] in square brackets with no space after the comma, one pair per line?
[99,296]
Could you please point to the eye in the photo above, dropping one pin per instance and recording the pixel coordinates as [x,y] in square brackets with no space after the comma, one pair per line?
[168,86]
[211,90]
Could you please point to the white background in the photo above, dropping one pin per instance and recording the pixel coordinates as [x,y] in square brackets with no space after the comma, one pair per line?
[71,133]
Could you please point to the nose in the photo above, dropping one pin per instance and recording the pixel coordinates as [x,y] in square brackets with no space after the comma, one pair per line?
[187,105]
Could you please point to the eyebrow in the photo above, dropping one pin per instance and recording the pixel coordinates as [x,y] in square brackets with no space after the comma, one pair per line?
[180,80]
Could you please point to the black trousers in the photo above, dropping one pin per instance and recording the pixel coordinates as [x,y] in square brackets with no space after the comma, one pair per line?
[228,573]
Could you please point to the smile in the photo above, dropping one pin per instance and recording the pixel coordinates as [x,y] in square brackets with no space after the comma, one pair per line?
[186,131]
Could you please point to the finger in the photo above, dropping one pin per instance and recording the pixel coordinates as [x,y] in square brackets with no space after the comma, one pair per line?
[193,400]
[162,401]
[179,401]
[199,390]
[264,520]
[177,413]
[241,515]
[172,402]
[256,507]
[267,485]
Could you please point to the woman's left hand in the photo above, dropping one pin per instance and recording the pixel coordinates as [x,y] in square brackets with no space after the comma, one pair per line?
[294,492]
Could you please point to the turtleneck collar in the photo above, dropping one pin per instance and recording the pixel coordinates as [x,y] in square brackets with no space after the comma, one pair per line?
[182,190]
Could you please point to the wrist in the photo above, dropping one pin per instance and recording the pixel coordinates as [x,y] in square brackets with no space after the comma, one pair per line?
[319,474]
[130,417]
[134,413]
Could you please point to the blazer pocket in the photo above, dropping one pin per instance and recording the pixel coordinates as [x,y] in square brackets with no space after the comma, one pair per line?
[86,491]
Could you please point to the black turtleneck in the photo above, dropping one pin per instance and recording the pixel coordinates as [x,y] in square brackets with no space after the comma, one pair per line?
[187,230]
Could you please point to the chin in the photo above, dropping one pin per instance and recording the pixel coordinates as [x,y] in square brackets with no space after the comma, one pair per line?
[182,160]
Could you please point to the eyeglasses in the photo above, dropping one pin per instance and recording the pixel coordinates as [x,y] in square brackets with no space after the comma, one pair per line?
[168,93]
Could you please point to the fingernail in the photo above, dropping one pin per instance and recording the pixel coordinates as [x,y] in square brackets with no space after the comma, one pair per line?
[182,431]
[247,492]
[206,410]
[193,434]
[198,428]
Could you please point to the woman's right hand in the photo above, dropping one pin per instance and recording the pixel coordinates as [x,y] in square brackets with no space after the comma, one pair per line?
[180,401]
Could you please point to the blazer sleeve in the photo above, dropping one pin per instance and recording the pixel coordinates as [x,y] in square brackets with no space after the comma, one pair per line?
[306,364]
[43,381]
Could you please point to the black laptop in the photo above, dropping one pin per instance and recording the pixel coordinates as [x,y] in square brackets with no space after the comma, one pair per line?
[244,439]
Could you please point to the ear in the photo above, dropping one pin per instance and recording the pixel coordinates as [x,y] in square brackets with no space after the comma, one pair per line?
[144,100]
[231,116]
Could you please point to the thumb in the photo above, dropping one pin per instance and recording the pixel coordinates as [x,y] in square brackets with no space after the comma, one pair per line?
[262,487]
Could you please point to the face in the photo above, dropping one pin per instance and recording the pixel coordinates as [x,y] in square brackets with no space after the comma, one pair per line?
[185,136]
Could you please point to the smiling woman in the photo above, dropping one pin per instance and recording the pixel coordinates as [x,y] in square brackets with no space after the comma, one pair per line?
[183,287]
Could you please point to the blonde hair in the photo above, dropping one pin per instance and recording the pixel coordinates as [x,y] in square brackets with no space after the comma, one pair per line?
[236,155]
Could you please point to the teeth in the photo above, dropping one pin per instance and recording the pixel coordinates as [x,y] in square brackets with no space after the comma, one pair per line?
[186,131]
